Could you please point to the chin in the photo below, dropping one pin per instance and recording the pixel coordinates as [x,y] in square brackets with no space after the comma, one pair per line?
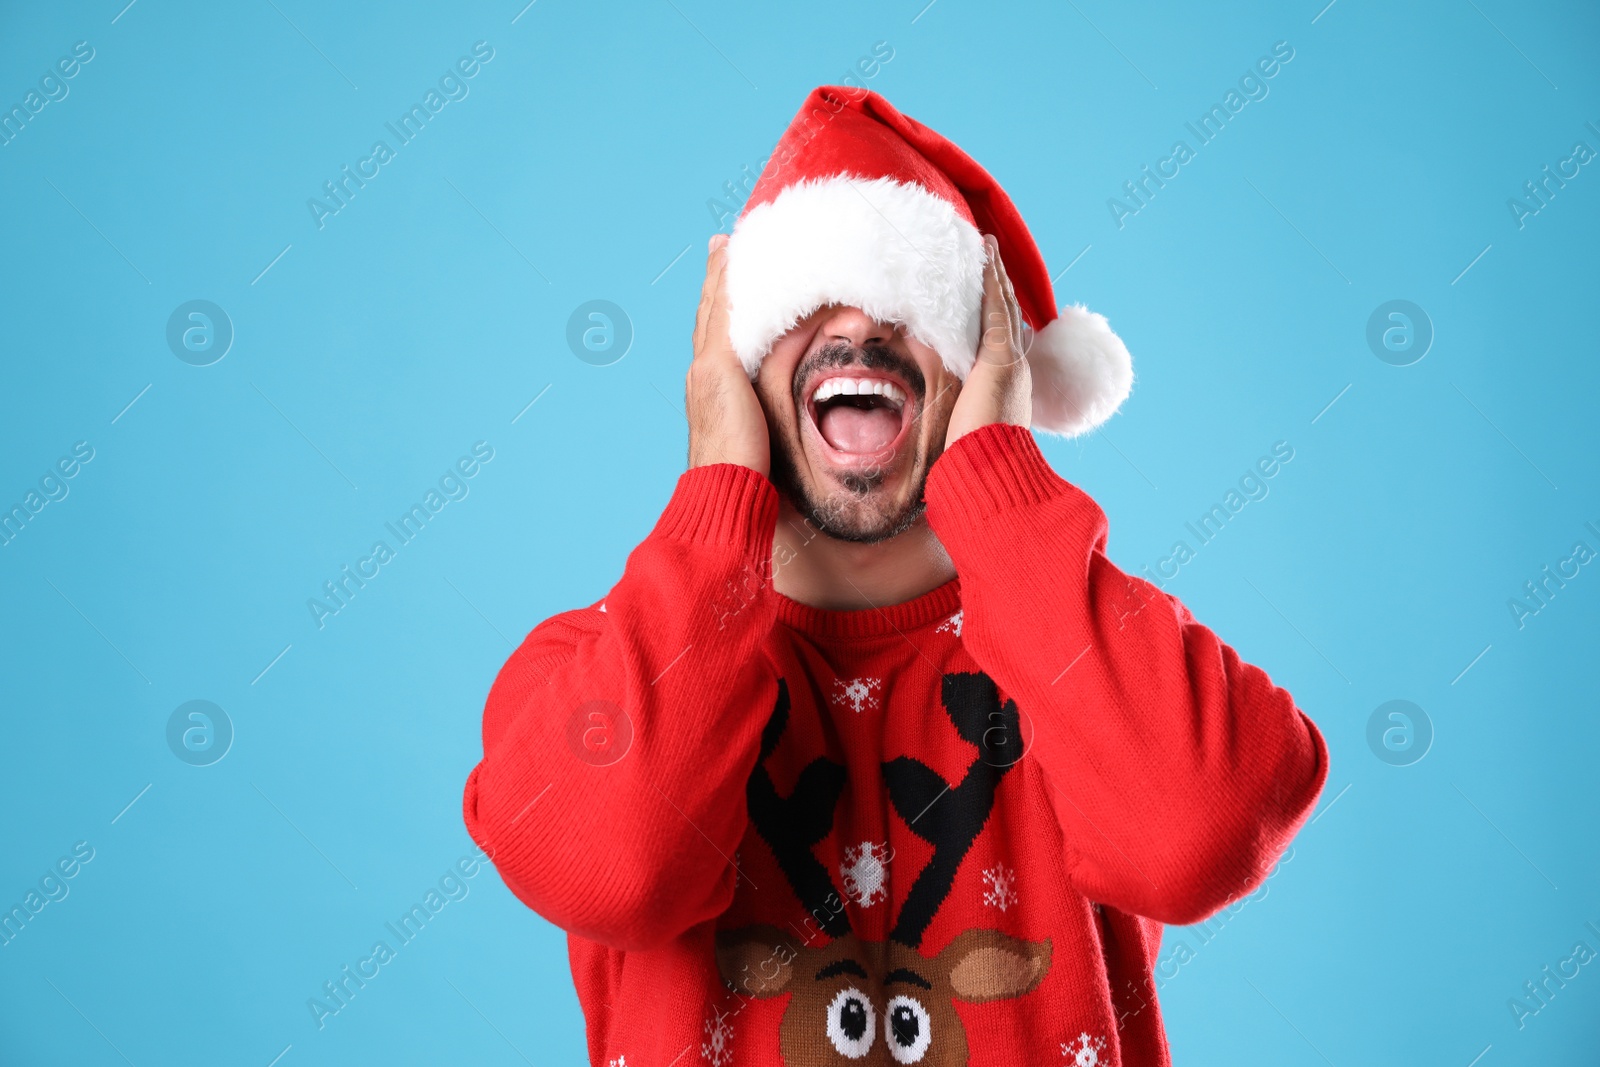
[865,502]
[860,520]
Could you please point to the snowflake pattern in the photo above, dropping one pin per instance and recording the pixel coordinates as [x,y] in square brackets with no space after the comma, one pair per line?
[1084,1052]
[857,694]
[952,625]
[620,1061]
[864,872]
[717,1049]
[1002,883]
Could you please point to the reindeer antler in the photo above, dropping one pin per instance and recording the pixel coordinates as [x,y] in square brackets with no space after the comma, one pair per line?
[792,825]
[950,824]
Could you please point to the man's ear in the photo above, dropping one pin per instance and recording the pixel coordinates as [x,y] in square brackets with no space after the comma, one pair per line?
[757,961]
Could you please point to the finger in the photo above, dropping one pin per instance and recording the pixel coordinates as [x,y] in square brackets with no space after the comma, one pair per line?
[707,288]
[1013,314]
[1013,310]
[716,328]
[991,293]
[997,333]
[714,261]
[707,338]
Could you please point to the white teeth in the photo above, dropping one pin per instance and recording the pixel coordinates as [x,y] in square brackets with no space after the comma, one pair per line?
[833,387]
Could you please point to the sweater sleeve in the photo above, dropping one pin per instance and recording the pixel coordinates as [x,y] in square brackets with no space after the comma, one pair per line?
[617,738]
[1178,772]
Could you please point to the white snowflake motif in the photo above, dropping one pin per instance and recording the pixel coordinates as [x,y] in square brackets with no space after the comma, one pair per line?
[1085,1051]
[620,1061]
[952,625]
[857,694]
[863,873]
[1002,882]
[717,1048]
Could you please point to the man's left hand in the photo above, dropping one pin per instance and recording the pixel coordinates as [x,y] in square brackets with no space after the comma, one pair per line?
[1000,386]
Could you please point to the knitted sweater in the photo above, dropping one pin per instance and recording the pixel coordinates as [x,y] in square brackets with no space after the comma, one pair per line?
[946,831]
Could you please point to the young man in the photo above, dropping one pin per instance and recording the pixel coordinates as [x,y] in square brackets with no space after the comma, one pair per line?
[872,756]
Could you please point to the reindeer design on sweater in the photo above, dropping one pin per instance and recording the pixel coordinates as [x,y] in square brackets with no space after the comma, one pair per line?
[865,1002]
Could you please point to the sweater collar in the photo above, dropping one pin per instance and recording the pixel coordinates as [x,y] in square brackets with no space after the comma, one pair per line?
[935,605]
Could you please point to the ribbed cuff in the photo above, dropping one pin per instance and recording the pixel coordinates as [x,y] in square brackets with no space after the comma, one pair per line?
[721,504]
[989,470]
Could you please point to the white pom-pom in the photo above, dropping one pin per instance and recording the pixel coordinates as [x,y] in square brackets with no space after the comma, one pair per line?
[1081,373]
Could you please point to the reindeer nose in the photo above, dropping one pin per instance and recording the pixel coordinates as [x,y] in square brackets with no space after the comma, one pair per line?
[851,324]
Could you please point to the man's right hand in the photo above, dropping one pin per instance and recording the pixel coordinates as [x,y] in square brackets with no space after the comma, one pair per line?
[726,422]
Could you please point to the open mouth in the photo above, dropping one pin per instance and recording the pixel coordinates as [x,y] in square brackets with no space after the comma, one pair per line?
[859,418]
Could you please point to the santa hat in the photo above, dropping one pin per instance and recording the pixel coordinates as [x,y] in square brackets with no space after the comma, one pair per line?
[862,206]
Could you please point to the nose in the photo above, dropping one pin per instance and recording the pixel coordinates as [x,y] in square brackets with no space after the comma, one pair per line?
[855,326]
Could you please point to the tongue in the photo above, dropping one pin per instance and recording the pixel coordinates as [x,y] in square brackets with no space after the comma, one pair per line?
[852,429]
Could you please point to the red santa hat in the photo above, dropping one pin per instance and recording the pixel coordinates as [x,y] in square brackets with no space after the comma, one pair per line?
[863,206]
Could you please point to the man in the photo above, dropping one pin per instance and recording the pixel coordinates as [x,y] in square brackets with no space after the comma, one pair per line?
[872,756]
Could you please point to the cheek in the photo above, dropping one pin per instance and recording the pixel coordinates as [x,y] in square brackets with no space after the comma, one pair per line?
[775,380]
[942,392]
[776,397]
[939,385]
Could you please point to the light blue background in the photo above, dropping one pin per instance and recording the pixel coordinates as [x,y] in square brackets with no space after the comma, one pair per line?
[428,313]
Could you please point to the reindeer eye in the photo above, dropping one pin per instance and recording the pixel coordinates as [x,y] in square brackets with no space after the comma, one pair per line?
[907,1030]
[852,1023]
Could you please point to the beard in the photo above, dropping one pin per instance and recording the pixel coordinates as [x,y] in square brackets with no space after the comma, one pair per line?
[855,512]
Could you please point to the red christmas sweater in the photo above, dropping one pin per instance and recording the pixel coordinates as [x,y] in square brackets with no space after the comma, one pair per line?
[946,831]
